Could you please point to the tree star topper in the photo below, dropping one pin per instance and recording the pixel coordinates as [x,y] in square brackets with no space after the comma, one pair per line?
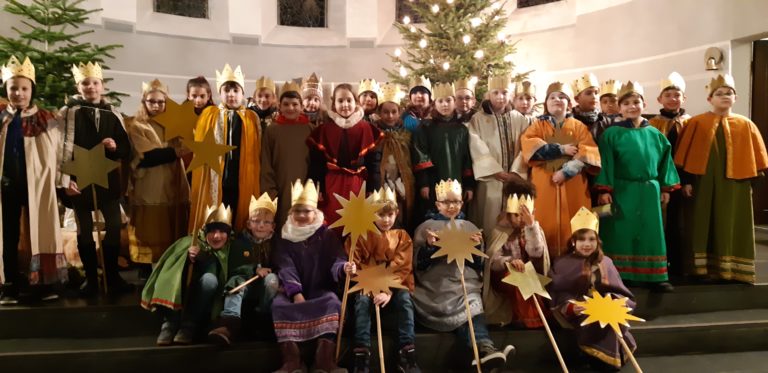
[207,152]
[90,166]
[606,311]
[177,120]
[357,215]
[457,244]
[376,278]
[529,282]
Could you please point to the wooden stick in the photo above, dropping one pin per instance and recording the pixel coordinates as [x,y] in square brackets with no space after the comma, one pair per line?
[244,284]
[99,248]
[629,352]
[378,332]
[205,177]
[549,334]
[344,301]
[559,219]
[469,320]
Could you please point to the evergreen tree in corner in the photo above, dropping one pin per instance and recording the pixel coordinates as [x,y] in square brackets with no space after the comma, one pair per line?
[50,40]
[456,39]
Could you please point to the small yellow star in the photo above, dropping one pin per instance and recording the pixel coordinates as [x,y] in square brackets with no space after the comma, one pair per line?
[457,244]
[90,166]
[357,215]
[207,152]
[529,282]
[178,120]
[606,311]
[376,278]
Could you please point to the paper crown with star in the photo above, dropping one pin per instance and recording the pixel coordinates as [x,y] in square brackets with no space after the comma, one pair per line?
[443,90]
[384,195]
[313,85]
[218,214]
[560,87]
[82,71]
[610,87]
[265,83]
[630,87]
[155,85]
[421,81]
[264,202]
[500,82]
[290,86]
[228,75]
[369,85]
[304,194]
[585,81]
[585,219]
[447,186]
[391,92]
[674,80]
[722,80]
[14,68]
[515,203]
[465,83]
[525,88]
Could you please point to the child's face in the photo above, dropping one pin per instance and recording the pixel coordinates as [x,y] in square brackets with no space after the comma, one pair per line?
[389,113]
[557,103]
[631,107]
[216,238]
[303,215]
[91,89]
[262,224]
[499,99]
[312,103]
[19,90]
[198,96]
[722,98]
[420,99]
[368,101]
[265,99]
[450,207]
[587,244]
[290,108]
[154,103]
[515,220]
[344,103]
[386,220]
[445,106]
[609,104]
[588,99]
[671,99]
[465,101]
[232,95]
[524,103]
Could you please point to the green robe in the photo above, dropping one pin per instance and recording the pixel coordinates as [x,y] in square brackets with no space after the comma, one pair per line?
[637,167]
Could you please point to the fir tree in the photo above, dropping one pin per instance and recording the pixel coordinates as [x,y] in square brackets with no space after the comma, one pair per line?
[457,39]
[51,43]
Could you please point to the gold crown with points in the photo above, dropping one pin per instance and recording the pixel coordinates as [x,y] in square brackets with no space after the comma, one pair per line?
[290,85]
[500,82]
[155,85]
[421,81]
[443,90]
[610,87]
[369,85]
[220,214]
[229,75]
[630,87]
[87,70]
[14,68]
[525,88]
[560,87]
[391,92]
[587,80]
[264,202]
[304,194]
[585,219]
[515,203]
[468,84]
[265,82]
[383,195]
[674,80]
[447,186]
[312,85]
[722,80]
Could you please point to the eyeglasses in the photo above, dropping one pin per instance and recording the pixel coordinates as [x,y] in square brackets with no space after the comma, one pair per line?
[451,203]
[155,102]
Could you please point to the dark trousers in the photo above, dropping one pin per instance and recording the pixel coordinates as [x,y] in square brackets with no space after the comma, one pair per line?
[12,205]
[110,209]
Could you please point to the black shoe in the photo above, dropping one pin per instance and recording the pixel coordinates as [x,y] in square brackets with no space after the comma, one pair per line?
[89,289]
[362,360]
[662,287]
[407,360]
[491,358]
[9,299]
[116,286]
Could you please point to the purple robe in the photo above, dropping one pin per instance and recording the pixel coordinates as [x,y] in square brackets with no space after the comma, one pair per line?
[312,268]
[572,279]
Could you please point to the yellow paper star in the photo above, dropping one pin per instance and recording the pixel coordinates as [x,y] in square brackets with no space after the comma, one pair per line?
[376,278]
[529,282]
[90,166]
[457,244]
[207,152]
[178,120]
[357,215]
[606,311]
[561,138]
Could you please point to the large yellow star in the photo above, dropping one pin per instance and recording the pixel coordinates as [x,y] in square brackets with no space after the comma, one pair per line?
[207,152]
[606,311]
[178,120]
[90,166]
[562,138]
[457,244]
[529,282]
[357,215]
[373,279]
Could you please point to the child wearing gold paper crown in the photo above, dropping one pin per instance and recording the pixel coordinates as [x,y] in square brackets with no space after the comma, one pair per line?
[265,101]
[368,93]
[465,99]
[395,248]
[310,263]
[575,275]
[524,99]
[312,96]
[609,101]
[438,297]
[585,109]
[517,239]
[720,154]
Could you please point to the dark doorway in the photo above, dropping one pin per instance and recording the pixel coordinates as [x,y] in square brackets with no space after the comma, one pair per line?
[760,117]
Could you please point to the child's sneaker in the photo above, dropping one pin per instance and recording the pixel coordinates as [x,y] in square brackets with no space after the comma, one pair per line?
[362,360]
[167,332]
[407,360]
[185,335]
[491,358]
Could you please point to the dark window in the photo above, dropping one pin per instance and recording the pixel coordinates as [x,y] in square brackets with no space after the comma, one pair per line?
[302,13]
[529,3]
[404,9]
[184,8]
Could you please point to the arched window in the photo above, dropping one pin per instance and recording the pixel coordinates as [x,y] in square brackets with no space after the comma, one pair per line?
[184,8]
[302,13]
[529,3]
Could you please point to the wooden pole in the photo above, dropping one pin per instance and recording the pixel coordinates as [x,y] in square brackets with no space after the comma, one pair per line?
[378,334]
[99,248]
[205,177]
[559,220]
[629,352]
[549,334]
[469,321]
[344,301]
[244,284]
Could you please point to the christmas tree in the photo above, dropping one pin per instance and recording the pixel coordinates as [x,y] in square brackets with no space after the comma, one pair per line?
[52,45]
[457,39]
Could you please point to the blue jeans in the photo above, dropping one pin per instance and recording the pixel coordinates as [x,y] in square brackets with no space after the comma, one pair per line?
[201,296]
[481,331]
[401,301]
[262,291]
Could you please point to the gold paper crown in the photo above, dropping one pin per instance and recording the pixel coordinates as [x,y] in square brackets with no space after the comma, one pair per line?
[469,84]
[610,87]
[630,87]
[14,68]
[87,70]
[265,82]
[313,84]
[304,194]
[369,85]
[525,88]
[500,82]
[514,203]
[586,81]
[585,219]
[155,85]
[229,75]
[421,81]
[443,90]
[673,80]
[219,214]
[445,186]
[290,85]
[721,81]
[264,202]
[391,92]
[383,195]
[560,87]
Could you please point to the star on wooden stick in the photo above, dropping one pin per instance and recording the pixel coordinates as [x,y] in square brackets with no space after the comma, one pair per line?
[457,244]
[207,152]
[376,278]
[357,215]
[178,120]
[607,311]
[90,166]
[562,138]
[529,282]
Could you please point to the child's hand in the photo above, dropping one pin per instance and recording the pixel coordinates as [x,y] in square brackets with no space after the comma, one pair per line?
[604,199]
[688,190]
[350,268]
[569,149]
[298,298]
[477,237]
[192,252]
[263,272]
[578,309]
[110,144]
[424,192]
[664,198]
[72,190]
[431,237]
[518,265]
[382,299]
[526,215]
[468,195]
[558,177]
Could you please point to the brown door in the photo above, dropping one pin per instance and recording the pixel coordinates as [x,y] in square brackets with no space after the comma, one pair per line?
[760,117]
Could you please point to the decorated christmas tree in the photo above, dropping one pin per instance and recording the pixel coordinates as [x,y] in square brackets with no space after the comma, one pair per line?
[457,39]
[50,40]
